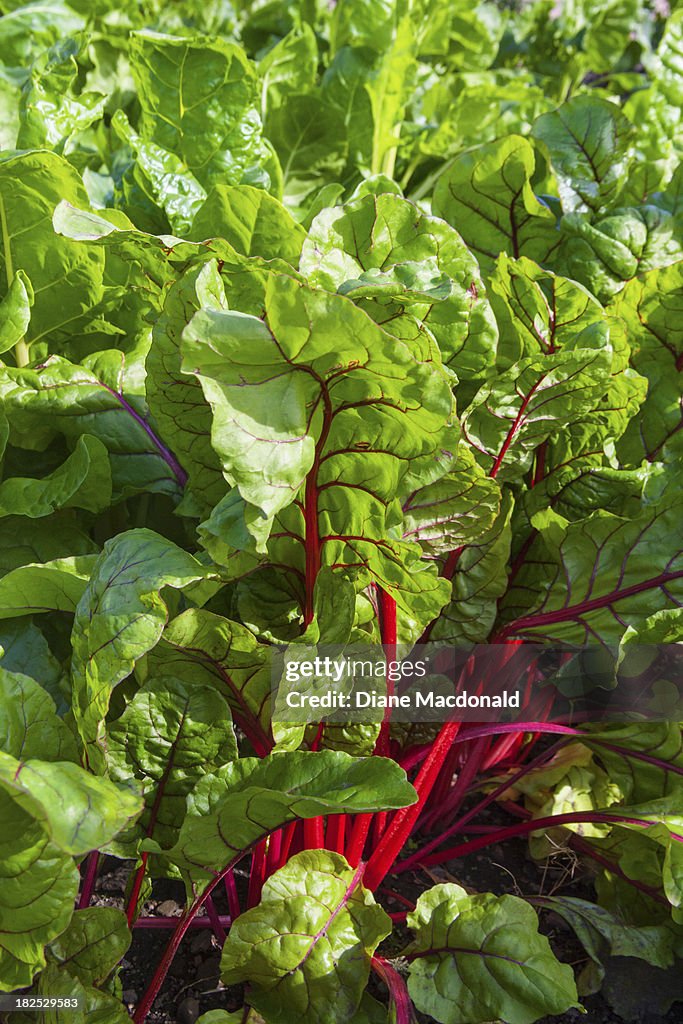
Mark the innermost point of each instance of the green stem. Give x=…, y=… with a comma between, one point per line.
x=21, y=353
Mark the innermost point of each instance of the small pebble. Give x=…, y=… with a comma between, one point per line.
x=169, y=908
x=188, y=1010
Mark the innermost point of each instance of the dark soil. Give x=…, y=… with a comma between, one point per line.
x=641, y=994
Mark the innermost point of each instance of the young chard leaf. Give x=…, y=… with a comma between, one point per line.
x=481, y=957
x=29, y=724
x=306, y=948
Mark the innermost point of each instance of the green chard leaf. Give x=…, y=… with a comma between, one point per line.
x=82, y=481
x=39, y=884
x=587, y=139
x=169, y=736
x=101, y=400
x=589, y=576
x=95, y=941
x=15, y=311
x=531, y=401
x=244, y=801
x=29, y=724
x=456, y=510
x=306, y=948
x=66, y=278
x=27, y=30
x=120, y=617
x=56, y=585
x=203, y=648
x=199, y=102
x=78, y=811
x=251, y=220
x=480, y=957
x=287, y=425
x=649, y=308
x=479, y=578
x=393, y=260
x=52, y=112
x=486, y=194
x=539, y=312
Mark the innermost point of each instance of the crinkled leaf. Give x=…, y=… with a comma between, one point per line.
x=169, y=736
x=232, y=809
x=25, y=651
x=642, y=758
x=293, y=407
x=391, y=259
x=541, y=313
x=97, y=1006
x=199, y=102
x=29, y=724
x=480, y=957
x=389, y=87
x=38, y=886
x=120, y=616
x=530, y=402
x=66, y=278
x=176, y=400
x=306, y=948
x=479, y=580
x=201, y=647
x=26, y=541
x=588, y=142
x=599, y=575
x=602, y=254
x=486, y=195
x=651, y=308
x=454, y=511
x=161, y=176
x=668, y=64
x=52, y=110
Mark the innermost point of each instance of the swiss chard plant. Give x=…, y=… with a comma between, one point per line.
x=331, y=324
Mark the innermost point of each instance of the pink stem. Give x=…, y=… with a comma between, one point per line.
x=524, y=827
x=214, y=918
x=89, y=879
x=231, y=893
x=171, y=922
x=398, y=990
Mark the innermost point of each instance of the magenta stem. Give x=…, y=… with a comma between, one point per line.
x=89, y=879
x=166, y=453
x=171, y=922
x=214, y=917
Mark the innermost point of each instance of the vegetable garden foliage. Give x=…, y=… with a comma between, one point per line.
x=335, y=321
